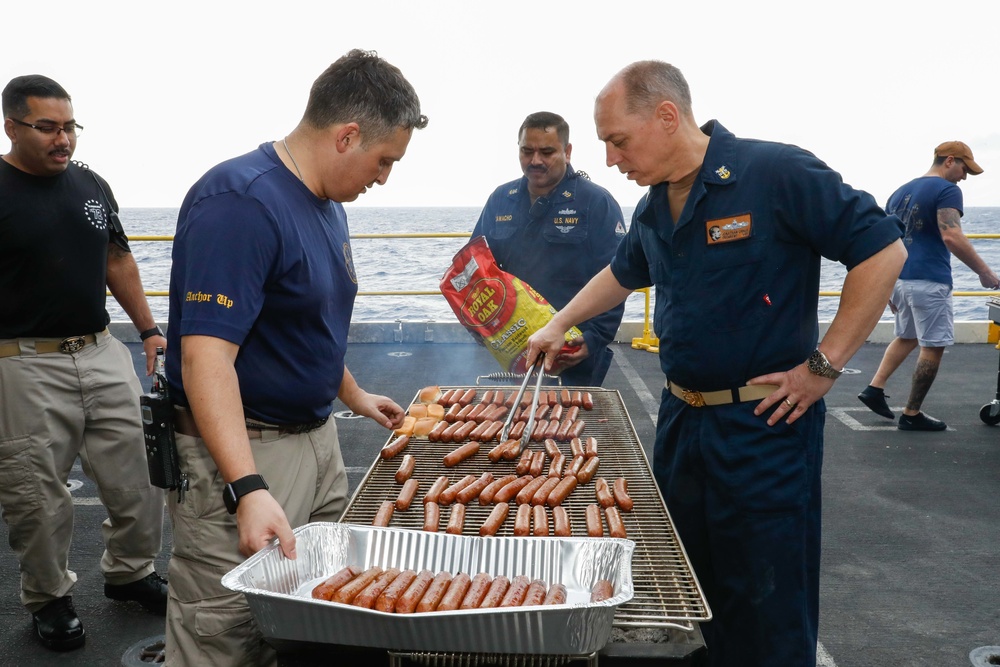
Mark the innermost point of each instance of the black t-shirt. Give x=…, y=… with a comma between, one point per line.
x=54, y=234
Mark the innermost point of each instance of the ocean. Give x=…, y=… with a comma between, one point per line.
x=418, y=264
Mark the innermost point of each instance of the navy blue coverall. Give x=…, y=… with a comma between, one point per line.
x=557, y=245
x=737, y=282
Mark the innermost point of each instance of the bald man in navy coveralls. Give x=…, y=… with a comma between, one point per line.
x=739, y=442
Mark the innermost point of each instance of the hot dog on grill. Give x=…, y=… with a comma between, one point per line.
x=407, y=494
x=560, y=492
x=522, y=521
x=447, y=496
x=551, y=448
x=434, y=493
x=540, y=521
x=466, y=495
x=551, y=429
x=439, y=428
x=487, y=494
x=616, y=527
x=497, y=452
x=560, y=522
x=524, y=463
x=574, y=467
x=537, y=464
x=395, y=447
x=527, y=493
x=494, y=520
x=454, y=457
x=590, y=449
x=588, y=401
x=542, y=493
x=464, y=431
x=432, y=517
x=556, y=466
x=405, y=469
x=589, y=469
x=456, y=521
x=595, y=528
x=576, y=447
x=620, y=492
x=384, y=514
x=452, y=415
x=512, y=450
x=508, y=492
x=603, y=493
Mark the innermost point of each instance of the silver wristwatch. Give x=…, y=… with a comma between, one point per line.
x=819, y=365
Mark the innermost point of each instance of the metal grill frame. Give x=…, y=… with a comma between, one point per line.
x=667, y=592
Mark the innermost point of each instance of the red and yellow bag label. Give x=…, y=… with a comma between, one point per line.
x=497, y=308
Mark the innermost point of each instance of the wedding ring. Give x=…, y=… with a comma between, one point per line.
x=789, y=404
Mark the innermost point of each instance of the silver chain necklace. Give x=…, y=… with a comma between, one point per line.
x=290, y=157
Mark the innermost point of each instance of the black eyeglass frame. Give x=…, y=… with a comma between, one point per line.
x=52, y=129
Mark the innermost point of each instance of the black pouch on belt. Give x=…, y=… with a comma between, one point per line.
x=158, y=431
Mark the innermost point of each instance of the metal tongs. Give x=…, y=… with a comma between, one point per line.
x=529, y=427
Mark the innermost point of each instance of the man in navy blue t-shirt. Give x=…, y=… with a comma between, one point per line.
x=931, y=208
x=262, y=287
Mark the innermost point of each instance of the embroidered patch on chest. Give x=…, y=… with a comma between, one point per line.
x=724, y=230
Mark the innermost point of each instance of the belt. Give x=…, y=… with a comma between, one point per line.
x=699, y=399
x=48, y=345
x=184, y=424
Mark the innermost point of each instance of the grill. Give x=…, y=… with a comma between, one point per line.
x=667, y=594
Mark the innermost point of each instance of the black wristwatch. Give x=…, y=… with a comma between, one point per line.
x=149, y=333
x=232, y=492
x=819, y=365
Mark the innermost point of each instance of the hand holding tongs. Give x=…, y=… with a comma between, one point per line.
x=529, y=427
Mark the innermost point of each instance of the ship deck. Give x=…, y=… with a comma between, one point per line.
x=910, y=549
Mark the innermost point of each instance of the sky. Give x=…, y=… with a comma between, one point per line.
x=167, y=90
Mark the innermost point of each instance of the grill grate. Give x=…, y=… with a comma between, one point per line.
x=667, y=594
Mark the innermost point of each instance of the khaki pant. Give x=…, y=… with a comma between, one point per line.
x=208, y=624
x=53, y=408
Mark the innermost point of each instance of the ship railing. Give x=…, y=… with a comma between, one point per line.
x=647, y=341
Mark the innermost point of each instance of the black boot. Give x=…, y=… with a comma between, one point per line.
x=57, y=625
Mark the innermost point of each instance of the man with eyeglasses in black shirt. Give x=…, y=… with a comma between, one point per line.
x=67, y=387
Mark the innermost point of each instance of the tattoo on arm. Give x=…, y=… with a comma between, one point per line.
x=949, y=218
x=116, y=251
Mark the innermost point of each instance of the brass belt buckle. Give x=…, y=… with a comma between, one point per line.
x=693, y=398
x=72, y=344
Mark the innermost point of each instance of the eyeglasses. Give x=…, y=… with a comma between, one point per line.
x=70, y=128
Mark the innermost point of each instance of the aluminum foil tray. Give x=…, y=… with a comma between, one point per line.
x=279, y=590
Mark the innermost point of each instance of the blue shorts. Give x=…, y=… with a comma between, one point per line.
x=924, y=311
